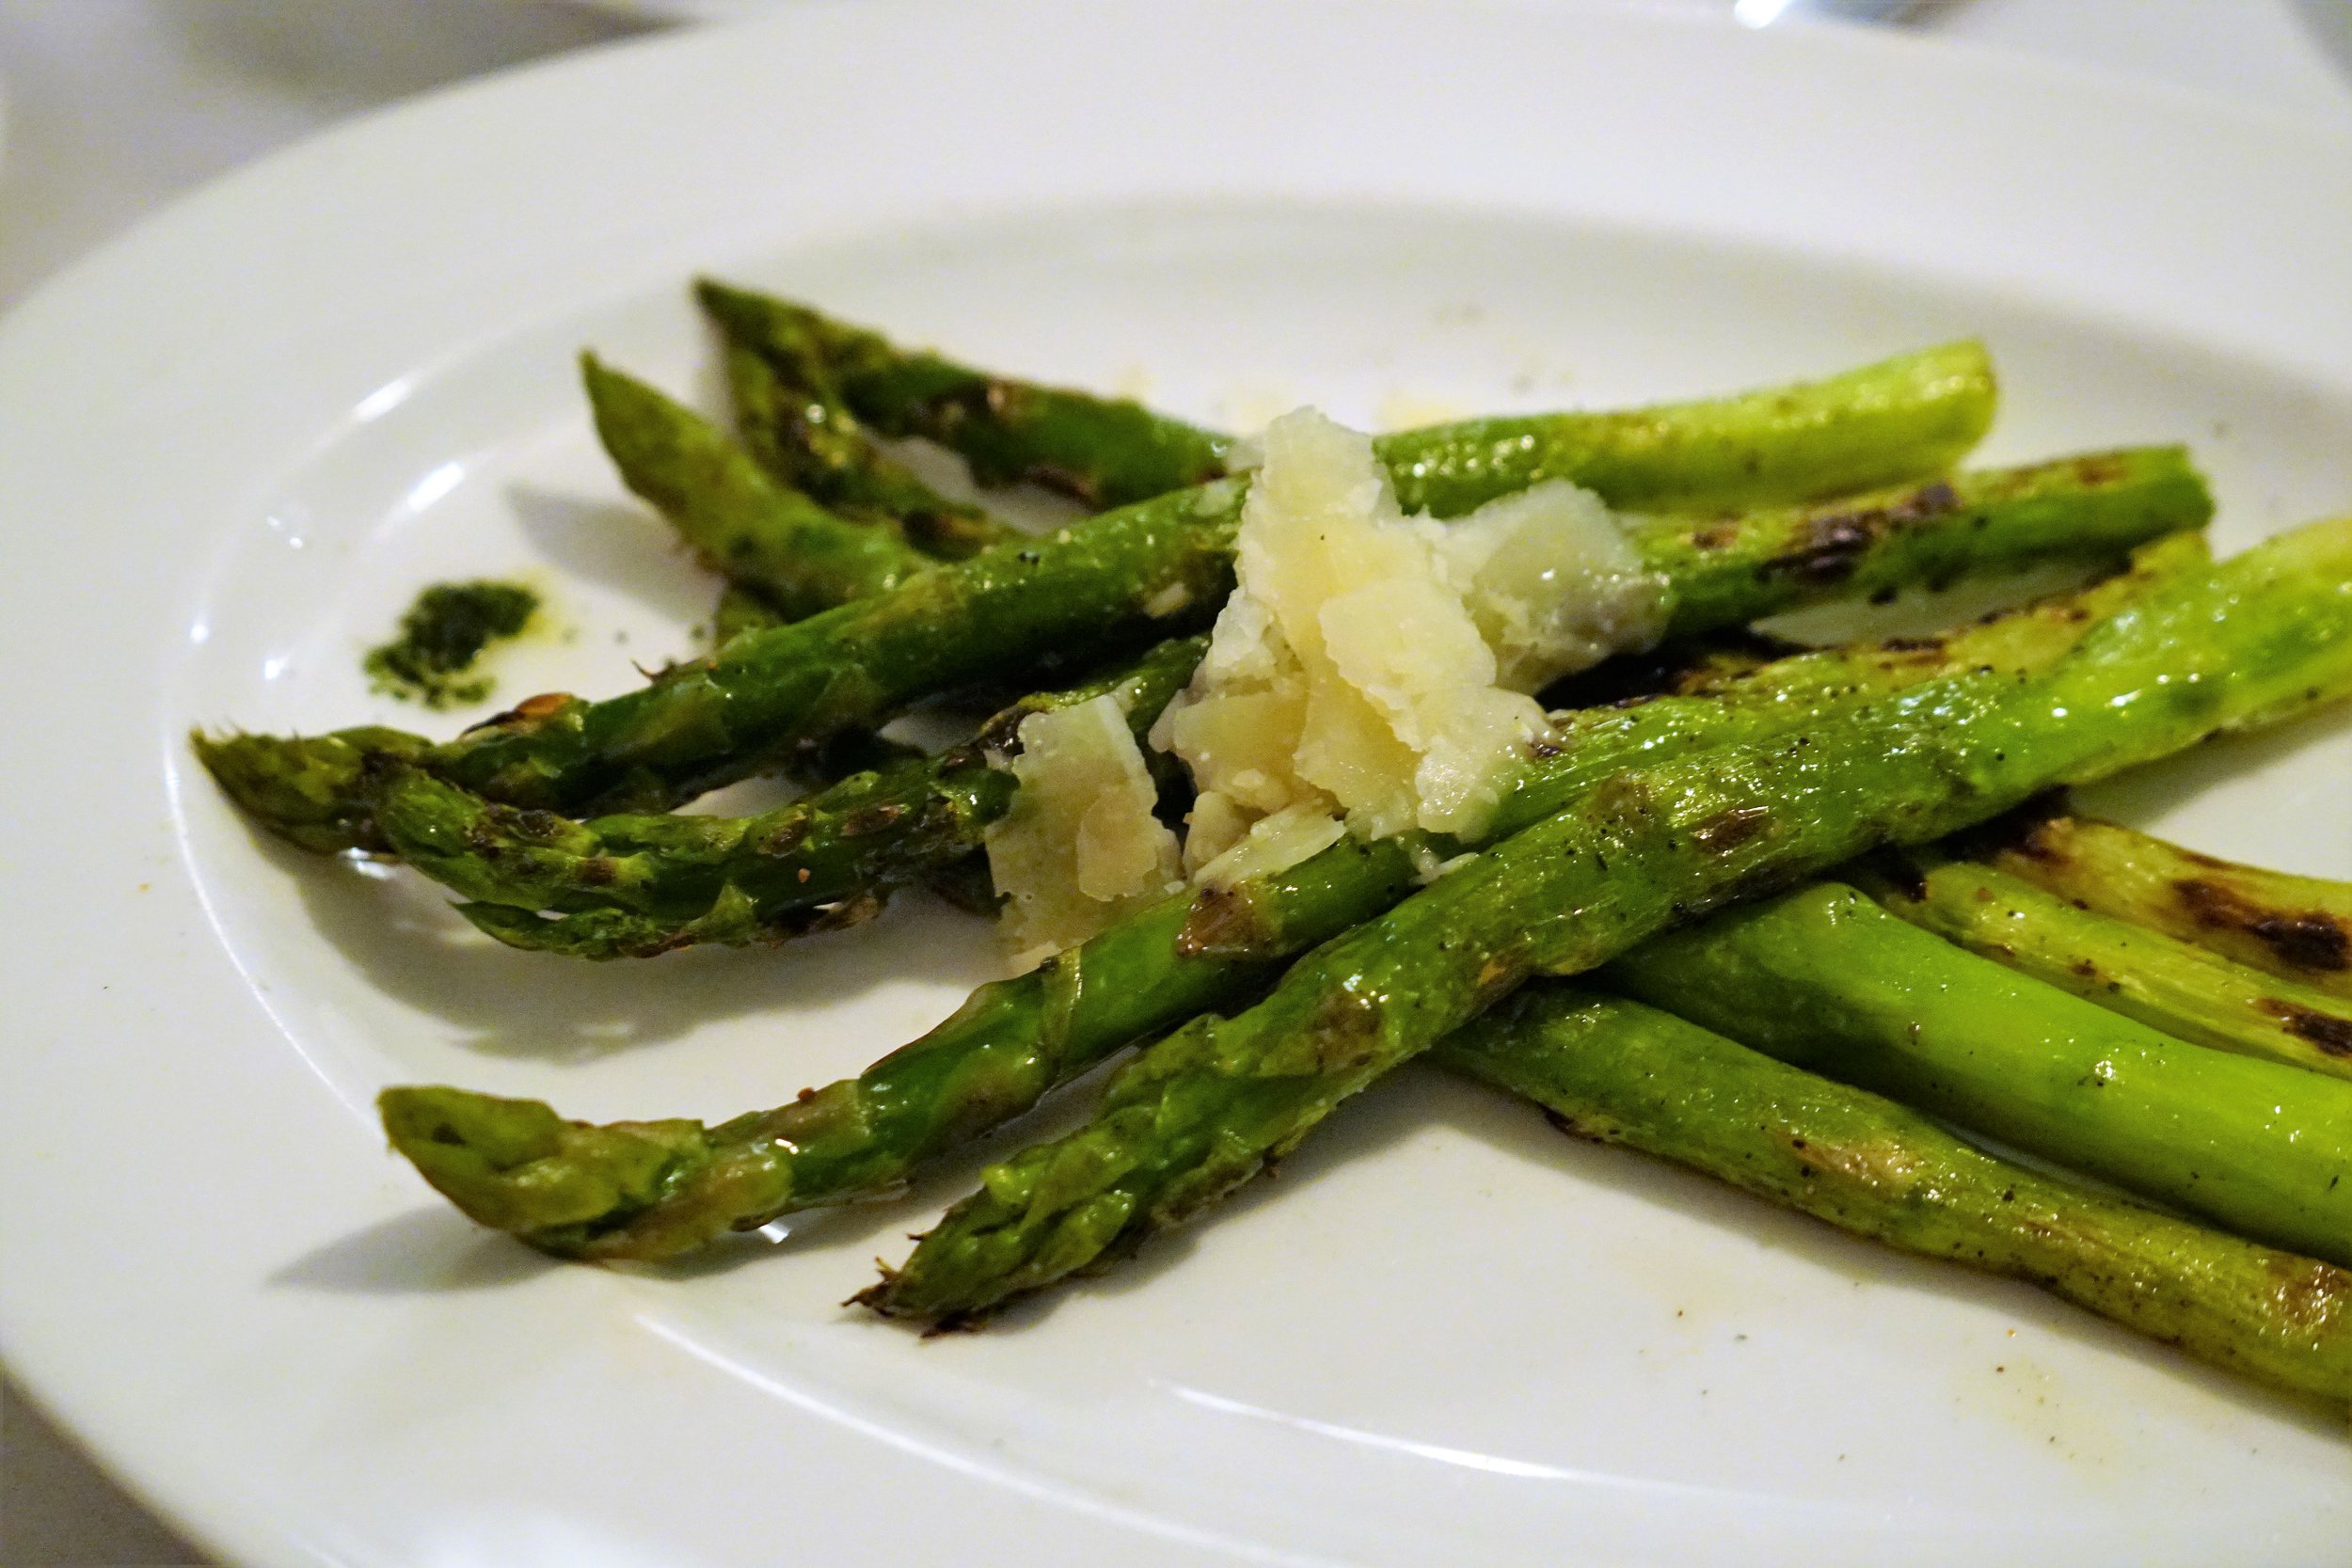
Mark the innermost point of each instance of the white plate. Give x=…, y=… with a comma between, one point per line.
x=233, y=444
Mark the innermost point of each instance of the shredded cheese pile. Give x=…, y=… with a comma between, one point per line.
x=1371, y=674
x=1378, y=667
x=1080, y=845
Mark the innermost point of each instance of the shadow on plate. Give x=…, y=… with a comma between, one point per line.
x=371, y=51
x=617, y=544
x=398, y=932
x=1419, y=1098
x=424, y=1250
x=1521, y=1131
x=2144, y=793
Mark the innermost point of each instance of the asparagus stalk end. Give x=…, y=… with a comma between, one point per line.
x=516, y=1166
x=311, y=790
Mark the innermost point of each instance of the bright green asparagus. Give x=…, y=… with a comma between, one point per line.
x=1618, y=1072
x=757, y=878
x=747, y=526
x=2297, y=928
x=650, y=1189
x=1827, y=980
x=1158, y=566
x=814, y=445
x=2165, y=983
x=1201, y=1112
x=636, y=886
x=803, y=433
x=739, y=610
x=1104, y=451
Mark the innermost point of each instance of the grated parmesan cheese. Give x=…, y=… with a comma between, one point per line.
x=1080, y=845
x=1272, y=845
x=1552, y=581
x=1377, y=669
x=1371, y=674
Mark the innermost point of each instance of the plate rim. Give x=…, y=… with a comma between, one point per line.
x=54, y=1390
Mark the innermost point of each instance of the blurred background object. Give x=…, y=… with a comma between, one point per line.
x=2330, y=21
x=1766, y=13
x=113, y=107
x=116, y=106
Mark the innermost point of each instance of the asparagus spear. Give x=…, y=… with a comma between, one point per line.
x=638, y=885
x=767, y=876
x=800, y=556
x=1210, y=1106
x=1925, y=410
x=1104, y=451
x=1825, y=979
x=2091, y=509
x=2165, y=983
x=740, y=610
x=810, y=439
x=515, y=1164
x=1619, y=1072
x=1074, y=598
x=802, y=432
x=2297, y=928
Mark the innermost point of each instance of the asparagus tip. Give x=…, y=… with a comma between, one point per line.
x=423, y=1120
x=727, y=305
x=516, y=1166
x=312, y=790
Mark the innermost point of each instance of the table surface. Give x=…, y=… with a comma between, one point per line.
x=113, y=107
